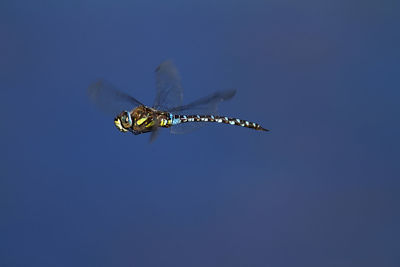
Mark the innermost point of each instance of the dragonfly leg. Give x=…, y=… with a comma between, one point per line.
x=134, y=132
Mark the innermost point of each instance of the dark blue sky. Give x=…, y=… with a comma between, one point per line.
x=321, y=189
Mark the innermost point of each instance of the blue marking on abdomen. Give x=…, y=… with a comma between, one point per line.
x=174, y=121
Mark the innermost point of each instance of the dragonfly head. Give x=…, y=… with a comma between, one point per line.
x=123, y=121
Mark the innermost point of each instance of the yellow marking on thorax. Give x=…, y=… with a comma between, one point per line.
x=140, y=121
x=149, y=124
x=164, y=122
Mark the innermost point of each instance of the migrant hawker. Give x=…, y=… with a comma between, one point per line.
x=167, y=110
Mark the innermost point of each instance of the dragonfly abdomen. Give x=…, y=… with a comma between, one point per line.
x=177, y=119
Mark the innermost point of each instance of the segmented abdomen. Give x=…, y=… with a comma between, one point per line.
x=177, y=119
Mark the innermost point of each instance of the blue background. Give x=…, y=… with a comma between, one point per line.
x=321, y=189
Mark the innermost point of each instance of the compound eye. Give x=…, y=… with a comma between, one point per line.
x=126, y=119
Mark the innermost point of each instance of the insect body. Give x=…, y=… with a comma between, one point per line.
x=167, y=111
x=144, y=119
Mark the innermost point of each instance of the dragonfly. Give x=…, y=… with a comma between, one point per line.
x=167, y=111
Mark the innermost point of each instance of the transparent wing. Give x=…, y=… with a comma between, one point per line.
x=204, y=106
x=154, y=134
x=206, y=103
x=109, y=99
x=168, y=85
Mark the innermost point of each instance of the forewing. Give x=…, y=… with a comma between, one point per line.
x=204, y=106
x=109, y=99
x=168, y=85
